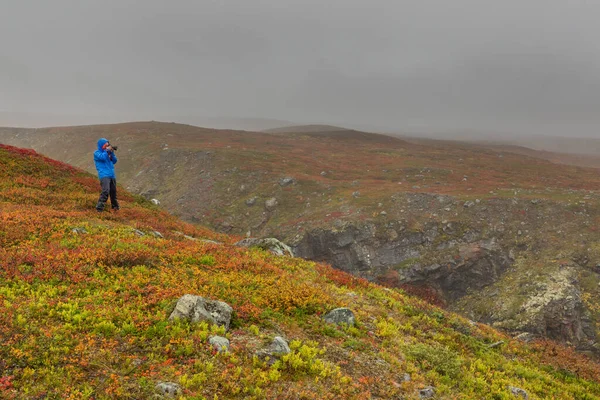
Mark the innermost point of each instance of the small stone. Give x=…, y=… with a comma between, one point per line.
x=518, y=392
x=219, y=343
x=251, y=201
x=271, y=203
x=155, y=202
x=137, y=232
x=355, y=194
x=157, y=234
x=168, y=389
x=276, y=349
x=279, y=346
x=340, y=316
x=79, y=231
x=286, y=181
x=427, y=392
x=323, y=173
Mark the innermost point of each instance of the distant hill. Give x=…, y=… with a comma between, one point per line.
x=42, y=120
x=246, y=124
x=306, y=129
x=87, y=301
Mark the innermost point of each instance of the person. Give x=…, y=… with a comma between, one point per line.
x=105, y=160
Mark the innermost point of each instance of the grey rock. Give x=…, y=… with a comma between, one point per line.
x=197, y=308
x=355, y=194
x=157, y=234
x=168, y=389
x=251, y=201
x=79, y=231
x=219, y=343
x=427, y=392
x=270, y=244
x=525, y=337
x=137, y=232
x=468, y=204
x=518, y=392
x=340, y=316
x=286, y=181
x=155, y=201
x=209, y=241
x=276, y=349
x=271, y=203
x=323, y=173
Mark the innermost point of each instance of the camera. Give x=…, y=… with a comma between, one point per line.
x=113, y=147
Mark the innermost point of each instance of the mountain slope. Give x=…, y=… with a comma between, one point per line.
x=85, y=300
x=503, y=238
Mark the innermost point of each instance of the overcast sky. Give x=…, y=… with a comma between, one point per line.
x=530, y=66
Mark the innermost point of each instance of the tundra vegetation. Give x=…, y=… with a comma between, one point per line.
x=85, y=300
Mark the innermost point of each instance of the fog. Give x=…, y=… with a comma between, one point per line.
x=513, y=66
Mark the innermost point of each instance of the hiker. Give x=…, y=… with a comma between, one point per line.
x=105, y=160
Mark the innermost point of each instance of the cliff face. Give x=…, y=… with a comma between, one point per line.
x=480, y=272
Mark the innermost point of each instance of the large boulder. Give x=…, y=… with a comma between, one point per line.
x=270, y=244
x=197, y=308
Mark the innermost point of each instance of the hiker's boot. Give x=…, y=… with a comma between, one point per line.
x=100, y=206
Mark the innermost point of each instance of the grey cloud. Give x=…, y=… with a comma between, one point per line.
x=520, y=65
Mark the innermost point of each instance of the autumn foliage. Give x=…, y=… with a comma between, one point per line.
x=85, y=300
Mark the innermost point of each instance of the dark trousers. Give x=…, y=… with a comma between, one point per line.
x=109, y=188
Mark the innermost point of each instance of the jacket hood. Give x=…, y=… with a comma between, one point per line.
x=101, y=143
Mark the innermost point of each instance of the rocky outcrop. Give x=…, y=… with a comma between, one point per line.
x=554, y=309
x=455, y=261
x=364, y=250
x=478, y=265
x=394, y=255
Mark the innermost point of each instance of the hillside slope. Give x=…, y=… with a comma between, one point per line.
x=503, y=238
x=85, y=300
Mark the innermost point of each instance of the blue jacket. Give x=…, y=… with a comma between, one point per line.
x=105, y=161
